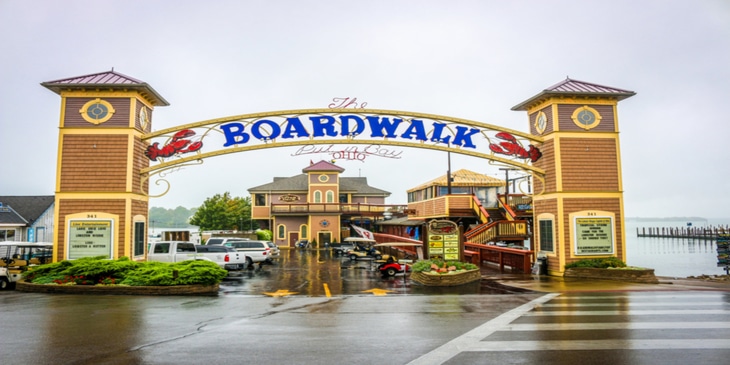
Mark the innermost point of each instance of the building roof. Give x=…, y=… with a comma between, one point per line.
x=108, y=80
x=359, y=186
x=570, y=87
x=299, y=183
x=323, y=166
x=462, y=177
x=24, y=209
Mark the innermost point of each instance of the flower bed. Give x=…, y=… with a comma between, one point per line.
x=206, y=290
x=635, y=275
x=451, y=279
x=97, y=275
x=440, y=273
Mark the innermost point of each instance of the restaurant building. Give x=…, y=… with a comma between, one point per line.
x=317, y=205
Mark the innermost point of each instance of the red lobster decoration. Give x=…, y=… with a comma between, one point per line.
x=179, y=144
x=512, y=148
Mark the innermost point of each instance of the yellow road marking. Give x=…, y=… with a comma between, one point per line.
x=327, y=290
x=378, y=292
x=280, y=293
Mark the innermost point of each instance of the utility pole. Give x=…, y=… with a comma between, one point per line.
x=506, y=182
x=448, y=171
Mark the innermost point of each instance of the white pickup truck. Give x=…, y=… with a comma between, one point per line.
x=176, y=251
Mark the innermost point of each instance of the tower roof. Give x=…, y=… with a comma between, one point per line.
x=108, y=80
x=570, y=87
x=323, y=166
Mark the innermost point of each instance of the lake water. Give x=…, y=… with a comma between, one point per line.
x=673, y=257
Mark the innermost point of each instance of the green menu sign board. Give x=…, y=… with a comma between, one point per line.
x=89, y=238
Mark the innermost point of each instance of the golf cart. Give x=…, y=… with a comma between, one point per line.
x=391, y=267
x=363, y=249
x=16, y=257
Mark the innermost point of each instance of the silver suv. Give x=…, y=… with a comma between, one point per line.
x=223, y=240
x=256, y=251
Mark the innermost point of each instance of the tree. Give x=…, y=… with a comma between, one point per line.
x=223, y=212
x=170, y=218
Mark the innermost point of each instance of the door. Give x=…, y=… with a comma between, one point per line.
x=293, y=238
x=324, y=238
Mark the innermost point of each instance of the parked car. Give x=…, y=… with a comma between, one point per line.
x=223, y=240
x=256, y=251
x=176, y=251
x=227, y=257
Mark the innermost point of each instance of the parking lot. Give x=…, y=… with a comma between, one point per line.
x=322, y=273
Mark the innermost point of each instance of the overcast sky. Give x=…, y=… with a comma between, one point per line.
x=464, y=59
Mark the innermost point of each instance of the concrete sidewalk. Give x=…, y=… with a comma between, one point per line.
x=552, y=284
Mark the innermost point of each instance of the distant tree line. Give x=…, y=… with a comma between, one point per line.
x=220, y=212
x=171, y=218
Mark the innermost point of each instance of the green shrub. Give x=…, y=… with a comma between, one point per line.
x=602, y=263
x=264, y=235
x=98, y=270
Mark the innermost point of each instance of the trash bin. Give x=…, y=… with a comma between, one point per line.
x=542, y=265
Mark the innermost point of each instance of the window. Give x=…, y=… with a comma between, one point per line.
x=330, y=196
x=259, y=200
x=317, y=196
x=162, y=248
x=303, y=231
x=464, y=190
x=546, y=235
x=7, y=235
x=343, y=198
x=280, y=231
x=185, y=247
x=139, y=234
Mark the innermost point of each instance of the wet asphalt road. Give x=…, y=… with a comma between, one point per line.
x=408, y=325
x=322, y=273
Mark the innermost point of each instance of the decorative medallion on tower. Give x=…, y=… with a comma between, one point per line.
x=144, y=118
x=97, y=111
x=324, y=223
x=586, y=117
x=540, y=122
x=323, y=178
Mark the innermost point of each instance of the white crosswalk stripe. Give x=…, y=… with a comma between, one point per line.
x=677, y=323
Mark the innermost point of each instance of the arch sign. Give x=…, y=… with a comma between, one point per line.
x=191, y=143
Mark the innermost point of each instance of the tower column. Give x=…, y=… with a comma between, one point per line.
x=101, y=206
x=578, y=208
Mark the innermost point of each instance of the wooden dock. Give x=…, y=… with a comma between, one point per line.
x=700, y=233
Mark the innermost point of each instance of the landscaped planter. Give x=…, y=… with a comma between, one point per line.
x=458, y=278
x=208, y=290
x=620, y=274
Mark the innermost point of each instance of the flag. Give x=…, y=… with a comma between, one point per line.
x=363, y=232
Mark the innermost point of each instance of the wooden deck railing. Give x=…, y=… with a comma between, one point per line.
x=492, y=232
x=516, y=259
x=344, y=208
